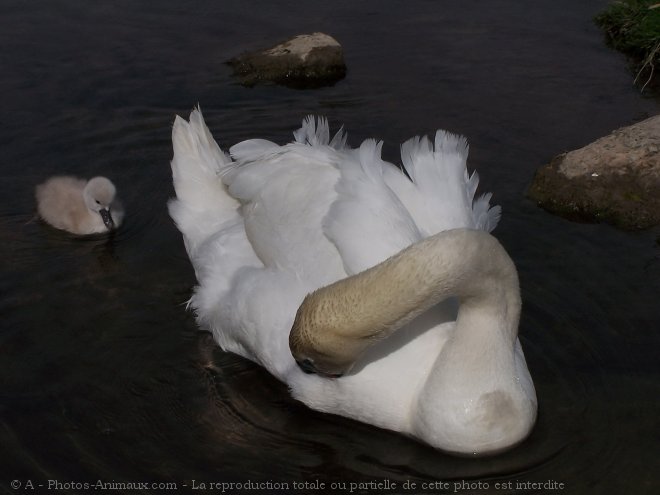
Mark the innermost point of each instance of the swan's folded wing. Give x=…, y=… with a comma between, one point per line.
x=367, y=222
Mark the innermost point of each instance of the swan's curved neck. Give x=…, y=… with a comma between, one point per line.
x=335, y=324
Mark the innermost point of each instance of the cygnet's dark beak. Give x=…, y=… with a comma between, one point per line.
x=107, y=218
x=308, y=367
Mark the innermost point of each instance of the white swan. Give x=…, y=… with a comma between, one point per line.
x=337, y=257
x=79, y=206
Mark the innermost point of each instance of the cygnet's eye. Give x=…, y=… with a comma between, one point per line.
x=97, y=202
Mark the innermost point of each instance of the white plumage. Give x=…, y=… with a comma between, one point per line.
x=279, y=222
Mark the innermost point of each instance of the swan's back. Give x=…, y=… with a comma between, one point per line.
x=311, y=212
x=285, y=194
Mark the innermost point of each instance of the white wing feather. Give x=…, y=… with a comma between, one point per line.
x=202, y=206
x=441, y=195
x=367, y=209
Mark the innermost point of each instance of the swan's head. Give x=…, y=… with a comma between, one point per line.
x=99, y=193
x=313, y=356
x=322, y=340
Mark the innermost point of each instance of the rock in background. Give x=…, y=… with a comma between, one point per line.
x=304, y=61
x=614, y=179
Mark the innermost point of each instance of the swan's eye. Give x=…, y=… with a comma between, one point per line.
x=97, y=202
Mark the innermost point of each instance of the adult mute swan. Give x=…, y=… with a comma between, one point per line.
x=398, y=306
x=79, y=206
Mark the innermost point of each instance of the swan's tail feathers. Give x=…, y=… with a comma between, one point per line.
x=315, y=131
x=202, y=203
x=446, y=191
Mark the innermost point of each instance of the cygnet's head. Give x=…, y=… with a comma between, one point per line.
x=99, y=193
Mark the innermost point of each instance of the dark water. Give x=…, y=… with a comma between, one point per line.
x=103, y=374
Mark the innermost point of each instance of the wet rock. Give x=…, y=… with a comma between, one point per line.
x=304, y=61
x=614, y=179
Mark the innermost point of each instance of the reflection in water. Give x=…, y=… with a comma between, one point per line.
x=104, y=375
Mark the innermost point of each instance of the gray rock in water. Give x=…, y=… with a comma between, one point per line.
x=615, y=179
x=304, y=61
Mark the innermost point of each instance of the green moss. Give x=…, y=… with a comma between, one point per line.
x=633, y=27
